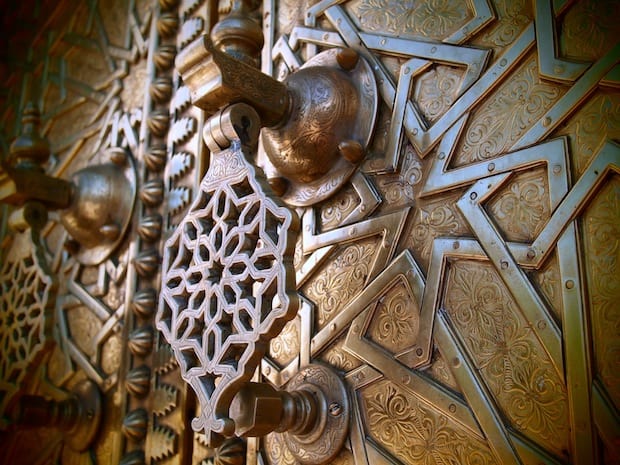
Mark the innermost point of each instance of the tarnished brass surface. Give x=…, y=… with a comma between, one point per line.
x=463, y=281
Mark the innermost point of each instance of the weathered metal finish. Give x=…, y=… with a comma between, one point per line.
x=492, y=177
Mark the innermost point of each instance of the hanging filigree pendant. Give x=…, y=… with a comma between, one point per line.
x=228, y=282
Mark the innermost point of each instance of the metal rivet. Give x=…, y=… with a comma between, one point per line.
x=335, y=409
x=382, y=41
x=414, y=131
x=267, y=370
x=557, y=169
x=407, y=70
x=406, y=379
x=419, y=351
x=455, y=245
x=433, y=50
x=541, y=325
x=546, y=121
x=503, y=62
x=491, y=166
x=531, y=253
x=333, y=327
x=452, y=408
x=355, y=328
x=473, y=195
x=442, y=155
x=570, y=284
x=456, y=362
x=504, y=264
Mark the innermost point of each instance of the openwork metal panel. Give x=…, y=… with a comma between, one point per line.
x=464, y=282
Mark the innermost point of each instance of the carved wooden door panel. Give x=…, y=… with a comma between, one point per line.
x=463, y=282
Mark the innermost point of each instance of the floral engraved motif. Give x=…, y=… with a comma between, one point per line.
x=513, y=17
x=228, y=285
x=440, y=371
x=400, y=189
x=548, y=279
x=602, y=220
x=436, y=90
x=395, y=323
x=594, y=123
x=522, y=209
x=336, y=209
x=521, y=101
x=415, y=433
x=277, y=452
x=510, y=358
x=337, y=357
x=285, y=346
x=434, y=19
x=594, y=19
x=434, y=220
x=341, y=279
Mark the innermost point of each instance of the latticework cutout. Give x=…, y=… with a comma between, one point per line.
x=228, y=285
x=26, y=303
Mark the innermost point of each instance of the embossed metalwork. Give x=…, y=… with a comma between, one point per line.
x=491, y=176
x=227, y=279
x=317, y=148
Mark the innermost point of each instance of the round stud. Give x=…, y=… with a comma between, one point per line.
x=347, y=58
x=351, y=150
x=279, y=185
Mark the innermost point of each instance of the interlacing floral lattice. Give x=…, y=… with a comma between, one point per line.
x=25, y=298
x=228, y=285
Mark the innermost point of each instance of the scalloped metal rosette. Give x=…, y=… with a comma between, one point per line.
x=228, y=284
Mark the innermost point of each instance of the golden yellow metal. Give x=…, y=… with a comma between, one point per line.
x=463, y=280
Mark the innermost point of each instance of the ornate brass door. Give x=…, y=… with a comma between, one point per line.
x=463, y=282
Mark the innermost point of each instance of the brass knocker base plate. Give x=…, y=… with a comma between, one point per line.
x=323, y=443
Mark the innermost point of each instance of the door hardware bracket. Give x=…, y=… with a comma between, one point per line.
x=95, y=206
